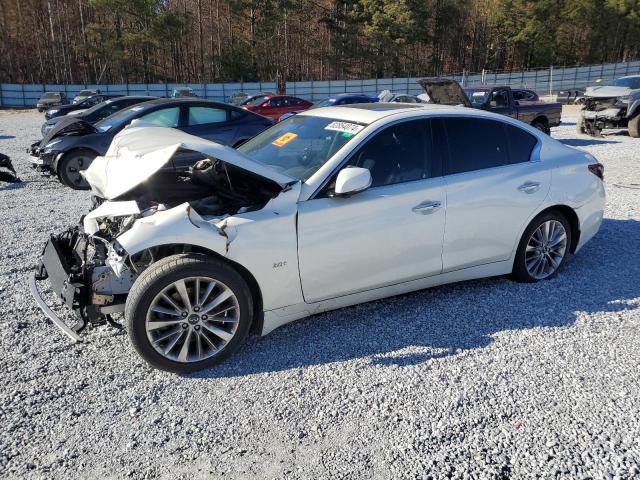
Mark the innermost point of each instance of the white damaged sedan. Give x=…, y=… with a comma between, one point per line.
x=329, y=208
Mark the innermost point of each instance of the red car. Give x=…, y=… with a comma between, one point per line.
x=277, y=105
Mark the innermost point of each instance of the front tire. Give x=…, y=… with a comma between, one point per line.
x=188, y=312
x=543, y=248
x=71, y=165
x=634, y=126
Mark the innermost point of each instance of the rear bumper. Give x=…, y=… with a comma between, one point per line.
x=590, y=216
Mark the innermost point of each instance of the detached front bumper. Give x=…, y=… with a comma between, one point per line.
x=65, y=283
x=68, y=263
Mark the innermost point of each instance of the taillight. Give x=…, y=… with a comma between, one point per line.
x=597, y=169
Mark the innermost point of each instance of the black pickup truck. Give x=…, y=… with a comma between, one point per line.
x=494, y=98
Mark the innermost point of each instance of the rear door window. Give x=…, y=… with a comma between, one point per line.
x=475, y=144
x=167, y=117
x=206, y=115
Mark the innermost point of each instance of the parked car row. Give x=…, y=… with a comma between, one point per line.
x=71, y=143
x=198, y=243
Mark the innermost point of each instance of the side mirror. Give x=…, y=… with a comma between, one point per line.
x=352, y=180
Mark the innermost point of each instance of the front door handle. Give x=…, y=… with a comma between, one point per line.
x=529, y=187
x=427, y=207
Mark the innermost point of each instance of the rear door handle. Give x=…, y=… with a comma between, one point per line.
x=427, y=207
x=529, y=187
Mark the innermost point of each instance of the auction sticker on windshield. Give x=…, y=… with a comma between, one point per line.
x=284, y=139
x=345, y=127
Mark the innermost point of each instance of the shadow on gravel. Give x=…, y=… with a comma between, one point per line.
x=443, y=321
x=585, y=142
x=7, y=137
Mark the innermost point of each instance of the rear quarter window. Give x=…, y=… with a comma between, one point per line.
x=521, y=144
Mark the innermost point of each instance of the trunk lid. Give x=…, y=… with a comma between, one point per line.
x=443, y=91
x=136, y=153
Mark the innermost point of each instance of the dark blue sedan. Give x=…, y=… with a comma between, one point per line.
x=345, y=99
x=72, y=144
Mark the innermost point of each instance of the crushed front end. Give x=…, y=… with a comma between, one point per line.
x=599, y=113
x=87, y=273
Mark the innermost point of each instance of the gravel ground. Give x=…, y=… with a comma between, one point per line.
x=486, y=379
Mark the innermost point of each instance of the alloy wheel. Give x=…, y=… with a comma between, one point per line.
x=74, y=166
x=545, y=250
x=192, y=319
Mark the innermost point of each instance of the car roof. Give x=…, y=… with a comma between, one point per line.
x=367, y=113
x=628, y=76
x=341, y=95
x=160, y=101
x=134, y=97
x=284, y=96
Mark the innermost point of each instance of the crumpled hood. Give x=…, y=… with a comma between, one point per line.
x=68, y=125
x=607, y=92
x=443, y=91
x=136, y=153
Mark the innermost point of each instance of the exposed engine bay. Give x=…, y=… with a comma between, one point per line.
x=92, y=274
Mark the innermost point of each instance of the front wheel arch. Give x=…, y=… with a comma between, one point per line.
x=56, y=162
x=256, y=293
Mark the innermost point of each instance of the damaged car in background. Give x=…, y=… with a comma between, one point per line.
x=612, y=106
x=332, y=207
x=7, y=172
x=70, y=145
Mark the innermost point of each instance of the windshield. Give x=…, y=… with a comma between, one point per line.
x=632, y=83
x=85, y=93
x=96, y=107
x=254, y=101
x=325, y=103
x=300, y=145
x=50, y=96
x=477, y=97
x=118, y=118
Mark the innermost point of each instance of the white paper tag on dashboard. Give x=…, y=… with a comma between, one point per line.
x=346, y=127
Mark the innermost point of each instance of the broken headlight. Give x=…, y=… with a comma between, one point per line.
x=623, y=101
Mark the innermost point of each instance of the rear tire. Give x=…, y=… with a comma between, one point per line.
x=543, y=248
x=71, y=165
x=542, y=126
x=210, y=335
x=634, y=126
x=580, y=124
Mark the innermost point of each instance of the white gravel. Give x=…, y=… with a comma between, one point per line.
x=486, y=379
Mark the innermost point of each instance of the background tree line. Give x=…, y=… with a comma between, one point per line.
x=118, y=41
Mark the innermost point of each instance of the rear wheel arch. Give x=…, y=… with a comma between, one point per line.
x=543, y=121
x=572, y=217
